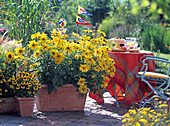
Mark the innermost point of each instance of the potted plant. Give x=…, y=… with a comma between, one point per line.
x=85, y=65
x=22, y=84
x=8, y=103
x=25, y=86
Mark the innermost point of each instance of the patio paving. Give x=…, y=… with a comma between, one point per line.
x=94, y=114
x=106, y=114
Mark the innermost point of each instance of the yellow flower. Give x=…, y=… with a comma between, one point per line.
x=93, y=76
x=98, y=52
x=37, y=53
x=10, y=56
x=138, y=124
x=54, y=32
x=157, y=120
x=19, y=51
x=89, y=60
x=25, y=78
x=103, y=65
x=76, y=56
x=28, y=88
x=17, y=42
x=43, y=37
x=0, y=93
x=69, y=62
x=88, y=31
x=103, y=34
x=143, y=120
x=58, y=56
x=84, y=68
x=36, y=88
x=33, y=36
x=22, y=87
x=81, y=81
x=19, y=57
x=82, y=57
x=29, y=92
x=45, y=46
x=126, y=115
x=0, y=100
x=124, y=120
x=156, y=99
x=11, y=86
x=83, y=89
x=68, y=47
x=33, y=44
x=53, y=52
x=17, y=87
x=58, y=61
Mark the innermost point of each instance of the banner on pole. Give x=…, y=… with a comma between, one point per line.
x=83, y=11
x=80, y=21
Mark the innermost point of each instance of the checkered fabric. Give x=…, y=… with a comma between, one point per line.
x=127, y=65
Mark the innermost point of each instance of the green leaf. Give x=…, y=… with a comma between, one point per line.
x=50, y=88
x=55, y=79
x=55, y=88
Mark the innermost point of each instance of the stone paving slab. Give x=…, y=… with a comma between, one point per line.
x=94, y=114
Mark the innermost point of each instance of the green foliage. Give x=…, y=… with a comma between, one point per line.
x=108, y=24
x=68, y=10
x=155, y=7
x=120, y=22
x=25, y=18
x=153, y=38
x=98, y=8
x=167, y=38
x=2, y=54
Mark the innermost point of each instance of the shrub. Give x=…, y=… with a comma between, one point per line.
x=154, y=37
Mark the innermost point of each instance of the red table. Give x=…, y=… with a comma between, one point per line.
x=126, y=82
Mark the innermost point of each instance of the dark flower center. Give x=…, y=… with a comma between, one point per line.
x=9, y=56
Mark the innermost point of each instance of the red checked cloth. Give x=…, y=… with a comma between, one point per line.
x=127, y=65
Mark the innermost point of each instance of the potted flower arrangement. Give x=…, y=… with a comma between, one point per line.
x=25, y=86
x=8, y=103
x=85, y=65
x=19, y=83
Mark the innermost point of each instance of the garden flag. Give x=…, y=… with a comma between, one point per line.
x=80, y=21
x=62, y=31
x=82, y=11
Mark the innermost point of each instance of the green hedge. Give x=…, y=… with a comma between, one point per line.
x=156, y=37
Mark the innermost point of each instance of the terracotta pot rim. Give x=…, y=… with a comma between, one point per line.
x=64, y=86
x=28, y=98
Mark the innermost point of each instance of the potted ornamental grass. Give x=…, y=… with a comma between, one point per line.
x=68, y=70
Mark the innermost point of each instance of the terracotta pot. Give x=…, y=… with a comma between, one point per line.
x=9, y=106
x=26, y=106
x=66, y=99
